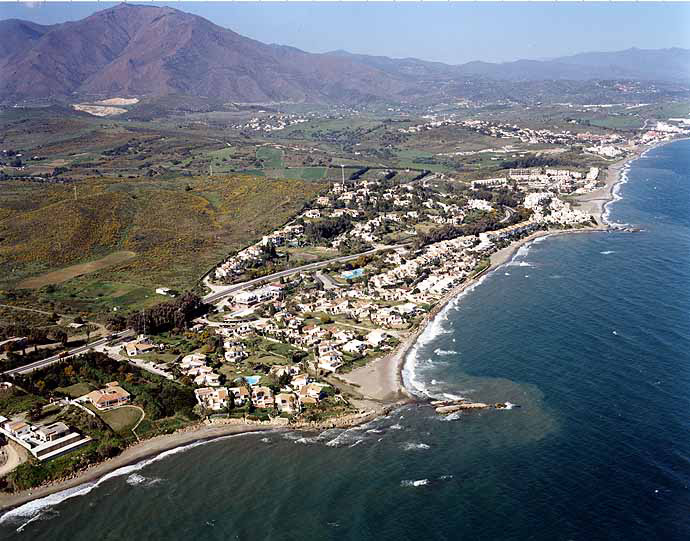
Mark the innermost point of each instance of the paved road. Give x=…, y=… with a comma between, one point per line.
x=216, y=296
x=327, y=281
x=509, y=214
x=27, y=368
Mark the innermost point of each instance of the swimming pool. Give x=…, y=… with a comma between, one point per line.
x=355, y=273
x=252, y=380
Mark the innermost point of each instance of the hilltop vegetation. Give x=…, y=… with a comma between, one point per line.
x=177, y=228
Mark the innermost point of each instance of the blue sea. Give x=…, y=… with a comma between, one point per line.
x=588, y=334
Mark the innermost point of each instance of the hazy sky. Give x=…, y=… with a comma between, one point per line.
x=446, y=32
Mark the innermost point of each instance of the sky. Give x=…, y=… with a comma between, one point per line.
x=451, y=32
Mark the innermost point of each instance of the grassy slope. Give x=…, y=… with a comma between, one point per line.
x=178, y=230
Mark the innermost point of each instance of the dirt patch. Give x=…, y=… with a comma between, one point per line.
x=62, y=275
x=99, y=110
x=118, y=101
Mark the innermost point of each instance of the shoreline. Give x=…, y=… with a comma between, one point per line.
x=383, y=378
x=381, y=382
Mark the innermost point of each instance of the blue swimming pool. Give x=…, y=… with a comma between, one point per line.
x=252, y=380
x=355, y=273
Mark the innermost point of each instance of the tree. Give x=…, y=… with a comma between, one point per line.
x=231, y=402
x=250, y=403
x=35, y=411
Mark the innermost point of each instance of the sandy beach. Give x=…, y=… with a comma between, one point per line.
x=381, y=380
x=133, y=454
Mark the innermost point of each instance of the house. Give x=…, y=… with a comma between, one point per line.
x=262, y=397
x=240, y=394
x=111, y=396
x=330, y=362
x=246, y=298
x=312, y=393
x=355, y=347
x=286, y=403
x=209, y=378
x=377, y=337
x=52, y=431
x=193, y=360
x=17, y=428
x=279, y=370
x=299, y=381
x=314, y=390
x=138, y=348
x=213, y=399
x=235, y=354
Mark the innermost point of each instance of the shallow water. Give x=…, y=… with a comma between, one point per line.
x=588, y=334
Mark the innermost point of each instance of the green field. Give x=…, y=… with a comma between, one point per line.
x=271, y=158
x=300, y=173
x=618, y=122
x=121, y=419
x=76, y=390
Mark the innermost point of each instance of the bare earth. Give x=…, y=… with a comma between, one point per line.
x=62, y=275
x=118, y=101
x=12, y=456
x=99, y=110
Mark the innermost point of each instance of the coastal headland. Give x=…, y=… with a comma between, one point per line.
x=380, y=382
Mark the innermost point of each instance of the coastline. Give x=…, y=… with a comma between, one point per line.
x=381, y=381
x=131, y=455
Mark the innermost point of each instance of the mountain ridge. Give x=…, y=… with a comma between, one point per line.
x=155, y=51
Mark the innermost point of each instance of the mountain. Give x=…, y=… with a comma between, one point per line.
x=147, y=50
x=663, y=65
x=158, y=51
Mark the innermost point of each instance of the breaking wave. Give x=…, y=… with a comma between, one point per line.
x=135, y=480
x=414, y=446
x=411, y=378
x=33, y=509
x=413, y=483
x=616, y=196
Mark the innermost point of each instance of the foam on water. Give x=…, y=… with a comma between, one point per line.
x=411, y=378
x=442, y=352
x=413, y=483
x=139, y=480
x=415, y=446
x=615, y=193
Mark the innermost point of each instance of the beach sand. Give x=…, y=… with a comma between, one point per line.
x=381, y=380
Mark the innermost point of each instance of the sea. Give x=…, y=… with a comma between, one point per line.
x=587, y=336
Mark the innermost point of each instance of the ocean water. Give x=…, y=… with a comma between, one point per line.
x=588, y=334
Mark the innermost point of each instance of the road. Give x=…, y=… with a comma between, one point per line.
x=217, y=295
x=509, y=214
x=326, y=280
x=27, y=368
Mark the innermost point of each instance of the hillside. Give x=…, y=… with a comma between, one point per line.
x=147, y=50
x=132, y=50
x=176, y=229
